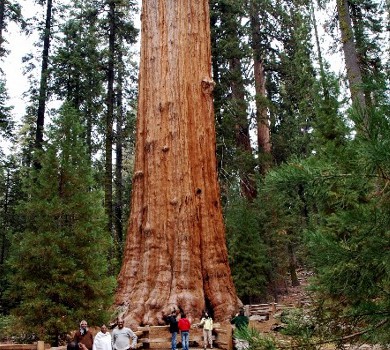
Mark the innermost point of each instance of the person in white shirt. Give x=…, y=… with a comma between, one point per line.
x=102, y=339
x=207, y=323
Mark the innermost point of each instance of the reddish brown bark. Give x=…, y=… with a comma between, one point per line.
x=175, y=255
x=354, y=74
x=262, y=115
x=242, y=137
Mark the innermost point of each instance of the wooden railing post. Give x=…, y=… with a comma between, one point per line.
x=40, y=345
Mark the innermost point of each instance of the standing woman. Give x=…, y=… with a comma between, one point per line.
x=207, y=323
x=102, y=339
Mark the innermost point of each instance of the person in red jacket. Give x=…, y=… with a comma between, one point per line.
x=184, y=326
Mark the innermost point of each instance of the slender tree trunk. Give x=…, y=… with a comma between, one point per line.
x=2, y=25
x=44, y=78
x=319, y=53
x=175, y=255
x=4, y=240
x=361, y=48
x=109, y=119
x=354, y=74
x=119, y=160
x=292, y=265
x=247, y=178
x=262, y=116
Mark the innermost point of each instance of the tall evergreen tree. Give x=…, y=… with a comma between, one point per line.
x=64, y=241
x=10, y=221
x=230, y=55
x=6, y=123
x=42, y=95
x=78, y=69
x=9, y=11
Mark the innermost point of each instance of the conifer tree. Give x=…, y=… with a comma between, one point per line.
x=42, y=95
x=77, y=69
x=230, y=56
x=6, y=123
x=248, y=255
x=9, y=11
x=10, y=221
x=64, y=242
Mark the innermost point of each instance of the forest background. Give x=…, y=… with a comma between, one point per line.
x=303, y=163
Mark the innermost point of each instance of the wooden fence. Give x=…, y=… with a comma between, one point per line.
x=153, y=337
x=40, y=345
x=158, y=337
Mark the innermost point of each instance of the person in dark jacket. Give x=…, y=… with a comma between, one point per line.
x=83, y=338
x=240, y=321
x=173, y=328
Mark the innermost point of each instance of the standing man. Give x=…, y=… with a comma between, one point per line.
x=184, y=326
x=83, y=338
x=173, y=328
x=121, y=337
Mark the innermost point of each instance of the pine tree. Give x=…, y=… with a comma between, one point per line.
x=10, y=221
x=248, y=254
x=64, y=242
x=77, y=69
x=230, y=58
x=42, y=95
x=9, y=11
x=6, y=123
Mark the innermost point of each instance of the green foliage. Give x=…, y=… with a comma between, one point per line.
x=6, y=123
x=64, y=242
x=342, y=207
x=10, y=221
x=247, y=252
x=297, y=324
x=255, y=339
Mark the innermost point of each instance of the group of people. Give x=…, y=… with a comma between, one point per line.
x=183, y=326
x=122, y=338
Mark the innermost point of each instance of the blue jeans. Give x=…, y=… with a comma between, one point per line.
x=173, y=341
x=185, y=340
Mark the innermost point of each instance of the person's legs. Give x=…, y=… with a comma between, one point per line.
x=204, y=338
x=173, y=341
x=185, y=340
x=210, y=338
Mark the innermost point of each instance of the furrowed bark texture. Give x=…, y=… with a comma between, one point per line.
x=354, y=74
x=175, y=255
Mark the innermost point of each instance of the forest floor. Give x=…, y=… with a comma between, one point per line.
x=295, y=297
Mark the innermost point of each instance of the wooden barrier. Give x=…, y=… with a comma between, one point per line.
x=40, y=345
x=154, y=337
x=159, y=337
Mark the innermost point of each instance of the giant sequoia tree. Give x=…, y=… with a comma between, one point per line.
x=175, y=255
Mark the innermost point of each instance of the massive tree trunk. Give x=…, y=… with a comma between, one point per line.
x=175, y=255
